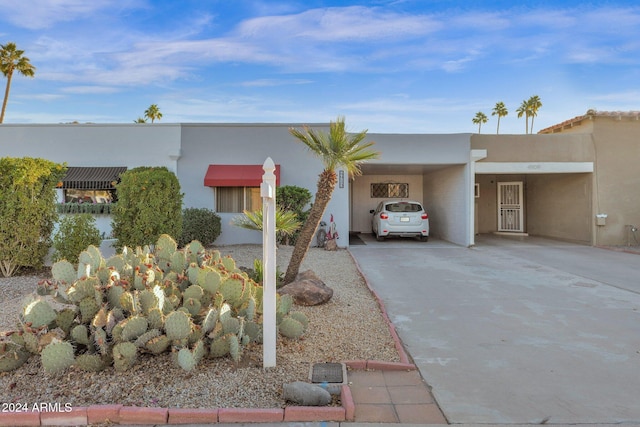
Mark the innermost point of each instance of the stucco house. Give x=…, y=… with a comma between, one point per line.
x=559, y=183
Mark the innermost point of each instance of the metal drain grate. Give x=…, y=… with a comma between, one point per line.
x=334, y=373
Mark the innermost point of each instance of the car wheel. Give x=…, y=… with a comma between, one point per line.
x=379, y=238
x=424, y=238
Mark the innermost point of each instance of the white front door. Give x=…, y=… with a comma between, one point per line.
x=510, y=212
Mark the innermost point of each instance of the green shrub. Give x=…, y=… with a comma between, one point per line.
x=294, y=199
x=149, y=204
x=75, y=233
x=200, y=224
x=27, y=211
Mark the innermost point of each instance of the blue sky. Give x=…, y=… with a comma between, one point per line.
x=396, y=66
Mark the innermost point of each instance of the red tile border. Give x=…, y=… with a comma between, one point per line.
x=192, y=416
x=15, y=419
x=346, y=398
x=140, y=415
x=103, y=414
x=356, y=364
x=314, y=413
x=248, y=415
x=390, y=366
x=75, y=417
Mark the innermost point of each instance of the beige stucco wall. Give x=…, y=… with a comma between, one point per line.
x=559, y=206
x=535, y=148
x=447, y=203
x=617, y=183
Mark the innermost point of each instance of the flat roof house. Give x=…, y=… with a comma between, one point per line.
x=559, y=183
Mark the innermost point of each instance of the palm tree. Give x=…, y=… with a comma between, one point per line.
x=13, y=59
x=336, y=149
x=153, y=113
x=479, y=119
x=501, y=111
x=523, y=109
x=534, y=104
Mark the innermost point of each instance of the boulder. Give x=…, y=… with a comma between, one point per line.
x=306, y=394
x=307, y=289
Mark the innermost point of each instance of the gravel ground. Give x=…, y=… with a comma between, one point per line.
x=348, y=327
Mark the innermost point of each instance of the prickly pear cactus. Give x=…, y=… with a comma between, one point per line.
x=191, y=302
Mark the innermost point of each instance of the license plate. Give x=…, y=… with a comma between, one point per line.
x=404, y=219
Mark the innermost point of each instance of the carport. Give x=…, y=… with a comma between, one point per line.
x=539, y=185
x=436, y=170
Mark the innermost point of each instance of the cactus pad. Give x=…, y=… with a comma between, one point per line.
x=124, y=355
x=133, y=327
x=291, y=328
x=57, y=356
x=177, y=325
x=39, y=313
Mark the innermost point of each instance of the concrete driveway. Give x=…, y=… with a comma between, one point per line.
x=516, y=330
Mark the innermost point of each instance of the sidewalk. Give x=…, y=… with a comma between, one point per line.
x=392, y=396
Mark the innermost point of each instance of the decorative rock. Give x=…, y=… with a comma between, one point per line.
x=331, y=245
x=307, y=289
x=306, y=394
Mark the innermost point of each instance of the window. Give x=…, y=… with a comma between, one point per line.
x=237, y=199
x=389, y=189
x=89, y=196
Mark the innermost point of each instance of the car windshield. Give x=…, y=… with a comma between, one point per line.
x=403, y=207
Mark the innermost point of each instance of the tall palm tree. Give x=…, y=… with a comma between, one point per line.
x=153, y=113
x=479, y=119
x=523, y=110
x=534, y=104
x=13, y=59
x=501, y=111
x=336, y=149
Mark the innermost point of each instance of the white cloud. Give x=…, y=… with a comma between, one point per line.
x=40, y=14
x=275, y=82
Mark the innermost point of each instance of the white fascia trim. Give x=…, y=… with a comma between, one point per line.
x=533, y=167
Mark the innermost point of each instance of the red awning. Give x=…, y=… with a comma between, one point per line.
x=236, y=175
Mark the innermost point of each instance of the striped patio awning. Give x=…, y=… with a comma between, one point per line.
x=92, y=177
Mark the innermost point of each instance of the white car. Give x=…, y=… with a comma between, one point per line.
x=403, y=218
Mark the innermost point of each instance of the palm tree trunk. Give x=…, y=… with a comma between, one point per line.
x=6, y=96
x=498, y=129
x=326, y=185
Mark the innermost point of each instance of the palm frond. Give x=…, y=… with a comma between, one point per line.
x=287, y=222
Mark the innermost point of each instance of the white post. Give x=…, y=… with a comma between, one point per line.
x=268, y=193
